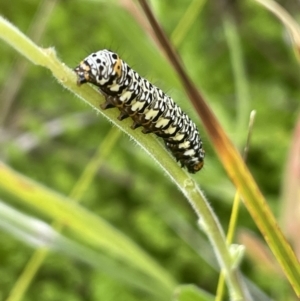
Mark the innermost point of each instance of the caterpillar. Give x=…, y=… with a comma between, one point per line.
x=146, y=104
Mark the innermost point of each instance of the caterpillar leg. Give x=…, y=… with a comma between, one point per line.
x=112, y=102
x=135, y=125
x=123, y=115
x=146, y=131
x=109, y=102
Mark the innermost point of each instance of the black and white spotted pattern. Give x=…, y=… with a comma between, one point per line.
x=147, y=105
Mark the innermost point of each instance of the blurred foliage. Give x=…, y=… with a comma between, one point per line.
x=130, y=191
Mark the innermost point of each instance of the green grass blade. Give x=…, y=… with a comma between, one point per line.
x=85, y=225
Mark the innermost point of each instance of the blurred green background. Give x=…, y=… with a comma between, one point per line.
x=49, y=135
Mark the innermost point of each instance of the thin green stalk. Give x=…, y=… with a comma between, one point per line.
x=235, y=211
x=210, y=226
x=232, y=224
x=104, y=150
x=28, y=273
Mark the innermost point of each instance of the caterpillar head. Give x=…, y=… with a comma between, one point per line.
x=99, y=68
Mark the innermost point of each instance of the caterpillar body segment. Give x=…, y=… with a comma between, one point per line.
x=146, y=104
